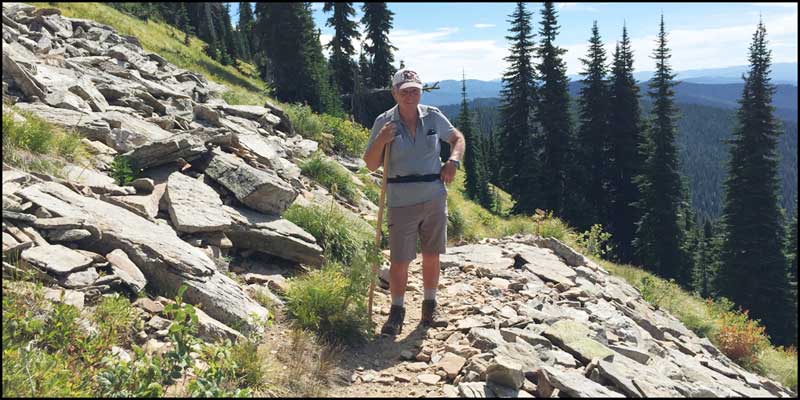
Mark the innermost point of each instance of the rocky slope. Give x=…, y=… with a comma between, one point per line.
x=529, y=316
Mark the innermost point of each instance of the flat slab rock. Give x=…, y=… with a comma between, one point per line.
x=56, y=259
x=194, y=206
x=165, y=260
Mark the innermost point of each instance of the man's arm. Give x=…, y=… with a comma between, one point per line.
x=373, y=157
x=456, y=141
x=457, y=144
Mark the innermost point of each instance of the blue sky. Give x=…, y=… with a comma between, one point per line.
x=439, y=39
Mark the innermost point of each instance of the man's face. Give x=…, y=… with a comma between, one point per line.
x=407, y=96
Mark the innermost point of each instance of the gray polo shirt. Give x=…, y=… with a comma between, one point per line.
x=417, y=156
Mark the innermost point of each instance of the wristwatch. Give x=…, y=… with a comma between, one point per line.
x=456, y=162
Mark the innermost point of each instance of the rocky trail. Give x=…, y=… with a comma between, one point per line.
x=529, y=317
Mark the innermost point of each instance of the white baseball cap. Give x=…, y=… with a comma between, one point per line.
x=406, y=78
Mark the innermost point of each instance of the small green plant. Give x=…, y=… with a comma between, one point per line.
x=308, y=124
x=121, y=170
x=181, y=333
x=36, y=145
x=349, y=137
x=341, y=238
x=330, y=175
x=595, y=241
x=546, y=225
x=330, y=302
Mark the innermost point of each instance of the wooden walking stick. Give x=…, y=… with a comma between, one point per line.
x=378, y=228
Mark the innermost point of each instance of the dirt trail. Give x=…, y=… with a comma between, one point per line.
x=378, y=368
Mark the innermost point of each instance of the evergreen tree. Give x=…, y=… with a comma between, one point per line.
x=465, y=125
x=364, y=69
x=245, y=28
x=592, y=140
x=231, y=49
x=703, y=272
x=753, y=270
x=658, y=234
x=180, y=18
x=341, y=44
x=297, y=68
x=377, y=21
x=791, y=252
x=516, y=129
x=625, y=143
x=553, y=115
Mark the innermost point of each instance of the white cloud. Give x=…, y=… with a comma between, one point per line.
x=436, y=56
x=576, y=7
x=484, y=26
x=783, y=5
x=702, y=48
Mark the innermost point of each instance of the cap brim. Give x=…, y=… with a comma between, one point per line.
x=410, y=84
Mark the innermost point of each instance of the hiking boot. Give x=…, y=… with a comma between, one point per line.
x=394, y=324
x=431, y=316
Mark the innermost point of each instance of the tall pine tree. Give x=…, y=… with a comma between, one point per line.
x=377, y=22
x=517, y=129
x=592, y=140
x=553, y=115
x=474, y=166
x=625, y=143
x=703, y=272
x=297, y=70
x=753, y=271
x=245, y=27
x=791, y=253
x=465, y=125
x=341, y=45
x=659, y=236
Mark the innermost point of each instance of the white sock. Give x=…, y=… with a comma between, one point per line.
x=398, y=300
x=430, y=294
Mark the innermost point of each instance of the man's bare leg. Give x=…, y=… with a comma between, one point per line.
x=430, y=282
x=398, y=279
x=430, y=270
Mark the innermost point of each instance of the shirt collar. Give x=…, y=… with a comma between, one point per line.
x=421, y=111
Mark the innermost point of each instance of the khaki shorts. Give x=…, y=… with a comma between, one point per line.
x=428, y=218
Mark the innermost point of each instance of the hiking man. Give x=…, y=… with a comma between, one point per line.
x=416, y=192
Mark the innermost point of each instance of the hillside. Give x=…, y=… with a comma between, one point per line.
x=161, y=241
x=703, y=153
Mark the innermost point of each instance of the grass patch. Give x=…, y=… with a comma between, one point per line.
x=332, y=133
x=332, y=300
x=468, y=222
x=299, y=366
x=38, y=146
x=331, y=175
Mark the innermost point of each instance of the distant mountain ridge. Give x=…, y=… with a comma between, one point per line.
x=711, y=87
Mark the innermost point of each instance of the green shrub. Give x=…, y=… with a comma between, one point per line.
x=330, y=175
x=780, y=364
x=308, y=124
x=121, y=170
x=546, y=225
x=595, y=241
x=370, y=189
x=333, y=133
x=332, y=301
x=348, y=137
x=455, y=222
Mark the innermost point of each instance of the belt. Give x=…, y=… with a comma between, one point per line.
x=413, y=178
